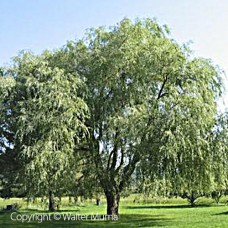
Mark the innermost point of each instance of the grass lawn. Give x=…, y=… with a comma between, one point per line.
x=162, y=213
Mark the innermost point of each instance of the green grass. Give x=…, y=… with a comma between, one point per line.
x=151, y=213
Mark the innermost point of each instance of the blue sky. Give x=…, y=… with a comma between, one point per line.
x=41, y=24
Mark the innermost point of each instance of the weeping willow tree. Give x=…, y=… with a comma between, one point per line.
x=151, y=105
x=48, y=116
x=150, y=108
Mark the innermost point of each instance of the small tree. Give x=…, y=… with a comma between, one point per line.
x=216, y=195
x=192, y=197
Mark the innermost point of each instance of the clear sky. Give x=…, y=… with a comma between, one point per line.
x=42, y=24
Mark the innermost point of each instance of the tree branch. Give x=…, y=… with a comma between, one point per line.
x=121, y=161
x=128, y=170
x=113, y=154
x=161, y=94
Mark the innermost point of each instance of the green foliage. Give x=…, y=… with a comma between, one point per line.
x=48, y=116
x=150, y=103
x=125, y=104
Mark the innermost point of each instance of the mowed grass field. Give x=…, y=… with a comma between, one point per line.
x=151, y=213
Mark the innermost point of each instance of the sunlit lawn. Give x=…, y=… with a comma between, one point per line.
x=163, y=213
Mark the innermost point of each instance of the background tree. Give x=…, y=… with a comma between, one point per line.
x=219, y=150
x=9, y=162
x=49, y=118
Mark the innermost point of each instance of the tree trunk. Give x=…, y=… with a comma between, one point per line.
x=70, y=200
x=192, y=199
x=192, y=202
x=112, y=203
x=51, y=205
x=98, y=201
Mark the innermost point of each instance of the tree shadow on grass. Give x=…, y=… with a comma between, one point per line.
x=124, y=221
x=222, y=213
x=166, y=206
